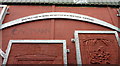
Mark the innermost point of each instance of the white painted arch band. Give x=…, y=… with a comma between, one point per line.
x=3, y=12
x=64, y=15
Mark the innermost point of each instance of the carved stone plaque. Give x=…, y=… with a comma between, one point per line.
x=36, y=54
x=98, y=48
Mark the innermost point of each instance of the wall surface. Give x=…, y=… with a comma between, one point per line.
x=0, y=10
x=59, y=29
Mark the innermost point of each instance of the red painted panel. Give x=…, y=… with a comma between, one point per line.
x=98, y=48
x=113, y=14
x=23, y=11
x=100, y=13
x=58, y=28
x=54, y=28
x=36, y=54
x=64, y=29
x=0, y=10
x=33, y=30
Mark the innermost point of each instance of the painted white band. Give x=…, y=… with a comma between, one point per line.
x=3, y=12
x=64, y=15
x=2, y=53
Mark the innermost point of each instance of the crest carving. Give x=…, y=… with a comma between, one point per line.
x=97, y=40
x=100, y=56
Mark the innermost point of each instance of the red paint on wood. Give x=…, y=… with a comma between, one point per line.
x=58, y=29
x=99, y=13
x=0, y=10
x=23, y=11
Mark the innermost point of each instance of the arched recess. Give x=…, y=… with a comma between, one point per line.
x=64, y=15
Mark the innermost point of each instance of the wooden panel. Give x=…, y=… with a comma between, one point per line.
x=56, y=28
x=98, y=48
x=89, y=11
x=34, y=30
x=36, y=54
x=17, y=12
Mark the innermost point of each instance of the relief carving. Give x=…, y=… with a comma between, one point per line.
x=97, y=40
x=100, y=56
x=36, y=58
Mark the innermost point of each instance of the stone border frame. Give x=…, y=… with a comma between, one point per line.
x=36, y=41
x=77, y=44
x=3, y=12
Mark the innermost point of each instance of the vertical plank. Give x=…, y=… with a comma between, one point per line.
x=53, y=24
